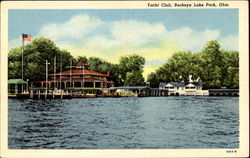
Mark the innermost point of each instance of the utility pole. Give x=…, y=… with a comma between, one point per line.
x=70, y=72
x=61, y=73
x=46, y=77
x=54, y=72
x=83, y=79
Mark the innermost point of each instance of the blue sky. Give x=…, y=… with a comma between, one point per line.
x=226, y=20
x=153, y=33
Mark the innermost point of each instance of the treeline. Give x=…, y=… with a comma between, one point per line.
x=127, y=72
x=216, y=68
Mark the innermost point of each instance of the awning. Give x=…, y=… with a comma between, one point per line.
x=16, y=81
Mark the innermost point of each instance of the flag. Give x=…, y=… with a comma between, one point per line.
x=26, y=37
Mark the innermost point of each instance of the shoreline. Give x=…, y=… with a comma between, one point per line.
x=68, y=96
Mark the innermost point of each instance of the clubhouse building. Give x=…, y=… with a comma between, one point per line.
x=77, y=77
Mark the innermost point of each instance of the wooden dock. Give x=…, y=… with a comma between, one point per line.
x=115, y=92
x=223, y=92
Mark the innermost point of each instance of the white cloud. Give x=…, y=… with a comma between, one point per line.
x=131, y=32
x=100, y=42
x=90, y=36
x=230, y=42
x=15, y=43
x=88, y=32
x=193, y=40
x=76, y=28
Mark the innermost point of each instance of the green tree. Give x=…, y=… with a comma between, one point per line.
x=35, y=54
x=164, y=73
x=14, y=63
x=131, y=68
x=183, y=64
x=153, y=80
x=177, y=68
x=134, y=78
x=216, y=68
x=117, y=78
x=82, y=58
x=211, y=64
x=230, y=69
x=100, y=65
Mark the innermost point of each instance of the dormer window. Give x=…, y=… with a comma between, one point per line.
x=81, y=65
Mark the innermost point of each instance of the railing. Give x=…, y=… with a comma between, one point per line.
x=80, y=78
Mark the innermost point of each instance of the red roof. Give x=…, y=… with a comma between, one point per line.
x=81, y=63
x=80, y=72
x=74, y=79
x=78, y=79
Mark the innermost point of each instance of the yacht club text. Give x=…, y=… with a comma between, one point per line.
x=187, y=5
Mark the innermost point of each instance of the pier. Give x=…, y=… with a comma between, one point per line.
x=123, y=91
x=139, y=91
x=223, y=92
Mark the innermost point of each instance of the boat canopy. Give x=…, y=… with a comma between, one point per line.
x=16, y=81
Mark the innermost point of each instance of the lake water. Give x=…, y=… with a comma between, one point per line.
x=183, y=122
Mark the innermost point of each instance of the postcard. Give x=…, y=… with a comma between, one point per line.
x=124, y=79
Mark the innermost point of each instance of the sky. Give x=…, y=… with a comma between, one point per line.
x=154, y=34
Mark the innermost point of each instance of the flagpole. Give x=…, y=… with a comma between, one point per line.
x=22, y=58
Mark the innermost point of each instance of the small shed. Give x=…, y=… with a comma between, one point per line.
x=16, y=86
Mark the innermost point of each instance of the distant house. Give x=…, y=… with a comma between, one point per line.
x=183, y=88
x=173, y=87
